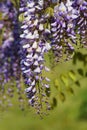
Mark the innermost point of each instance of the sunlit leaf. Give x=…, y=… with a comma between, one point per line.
x=72, y=75
x=56, y=83
x=49, y=12
x=21, y=17
x=64, y=79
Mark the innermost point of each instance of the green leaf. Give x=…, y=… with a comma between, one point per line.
x=80, y=71
x=54, y=102
x=56, y=83
x=77, y=83
x=62, y=96
x=21, y=17
x=64, y=79
x=86, y=74
x=70, y=90
x=72, y=75
x=49, y=11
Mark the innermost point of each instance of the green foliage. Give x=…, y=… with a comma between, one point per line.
x=80, y=71
x=62, y=96
x=21, y=17
x=49, y=11
x=80, y=56
x=56, y=83
x=66, y=81
x=77, y=83
x=54, y=103
x=72, y=75
x=83, y=110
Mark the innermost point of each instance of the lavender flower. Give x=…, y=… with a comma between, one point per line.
x=63, y=29
x=33, y=48
x=81, y=22
x=10, y=61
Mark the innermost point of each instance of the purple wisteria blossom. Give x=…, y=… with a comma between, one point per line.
x=33, y=48
x=63, y=29
x=9, y=58
x=81, y=22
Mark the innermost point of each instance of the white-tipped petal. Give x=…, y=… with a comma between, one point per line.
x=31, y=10
x=40, y=58
x=47, y=69
x=38, y=49
x=26, y=46
x=33, y=83
x=36, y=22
x=41, y=28
x=34, y=45
x=26, y=63
x=29, y=36
x=36, y=34
x=22, y=36
x=26, y=71
x=47, y=79
x=34, y=90
x=33, y=97
x=47, y=85
x=30, y=101
x=54, y=24
x=47, y=31
x=37, y=70
x=36, y=63
x=48, y=46
x=28, y=89
x=26, y=31
x=35, y=56
x=24, y=26
x=54, y=29
x=30, y=4
x=29, y=56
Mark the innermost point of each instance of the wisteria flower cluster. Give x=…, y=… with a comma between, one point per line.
x=33, y=48
x=24, y=43
x=9, y=49
x=81, y=22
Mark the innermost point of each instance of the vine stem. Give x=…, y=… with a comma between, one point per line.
x=16, y=3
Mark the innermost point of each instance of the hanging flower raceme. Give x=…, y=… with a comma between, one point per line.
x=81, y=22
x=33, y=48
x=10, y=61
x=63, y=29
